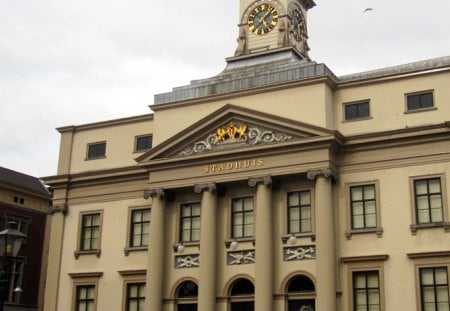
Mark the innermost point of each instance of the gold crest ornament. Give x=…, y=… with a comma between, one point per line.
x=262, y=19
x=232, y=132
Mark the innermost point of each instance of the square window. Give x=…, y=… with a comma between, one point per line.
x=419, y=101
x=143, y=143
x=96, y=150
x=354, y=111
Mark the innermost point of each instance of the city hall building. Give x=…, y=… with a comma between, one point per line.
x=275, y=185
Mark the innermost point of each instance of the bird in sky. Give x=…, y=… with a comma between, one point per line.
x=368, y=10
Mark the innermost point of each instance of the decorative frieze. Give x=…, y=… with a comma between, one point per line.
x=241, y=258
x=299, y=253
x=187, y=261
x=235, y=134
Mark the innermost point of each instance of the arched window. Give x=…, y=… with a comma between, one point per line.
x=186, y=295
x=301, y=294
x=242, y=293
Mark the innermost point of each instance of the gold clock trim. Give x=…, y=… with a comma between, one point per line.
x=262, y=19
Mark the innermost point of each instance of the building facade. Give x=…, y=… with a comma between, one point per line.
x=274, y=185
x=24, y=202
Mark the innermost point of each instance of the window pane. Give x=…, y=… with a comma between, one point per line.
x=369, y=193
x=371, y=221
x=293, y=199
x=294, y=226
x=294, y=213
x=441, y=276
x=248, y=204
x=356, y=193
x=248, y=230
x=305, y=198
x=358, y=222
x=435, y=186
x=306, y=225
x=421, y=186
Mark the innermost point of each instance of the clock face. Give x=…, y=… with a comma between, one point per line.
x=262, y=19
x=297, y=25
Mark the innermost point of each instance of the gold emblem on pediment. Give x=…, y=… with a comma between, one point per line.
x=232, y=133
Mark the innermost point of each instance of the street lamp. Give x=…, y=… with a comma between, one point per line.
x=11, y=241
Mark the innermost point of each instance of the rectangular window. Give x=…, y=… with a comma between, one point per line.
x=190, y=222
x=85, y=298
x=143, y=143
x=135, y=296
x=90, y=232
x=434, y=290
x=366, y=291
x=96, y=150
x=140, y=227
x=428, y=200
x=242, y=209
x=299, y=212
x=356, y=111
x=419, y=101
x=363, y=206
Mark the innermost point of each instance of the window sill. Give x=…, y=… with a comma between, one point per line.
x=95, y=158
x=79, y=253
x=357, y=119
x=186, y=245
x=239, y=240
x=415, y=227
x=420, y=110
x=285, y=237
x=127, y=250
x=377, y=230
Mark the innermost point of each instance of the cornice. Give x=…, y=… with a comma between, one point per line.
x=428, y=254
x=103, y=124
x=97, y=177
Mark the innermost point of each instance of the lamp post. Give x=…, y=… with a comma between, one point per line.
x=10, y=243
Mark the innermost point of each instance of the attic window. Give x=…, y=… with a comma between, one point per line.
x=19, y=200
x=143, y=143
x=96, y=150
x=356, y=111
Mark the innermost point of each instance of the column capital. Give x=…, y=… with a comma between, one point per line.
x=199, y=188
x=326, y=172
x=154, y=193
x=254, y=181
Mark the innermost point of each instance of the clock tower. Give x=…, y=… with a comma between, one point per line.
x=273, y=25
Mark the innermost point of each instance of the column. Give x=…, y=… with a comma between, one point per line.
x=325, y=239
x=207, y=269
x=264, y=244
x=54, y=256
x=155, y=258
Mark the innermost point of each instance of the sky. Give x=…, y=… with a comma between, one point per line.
x=75, y=62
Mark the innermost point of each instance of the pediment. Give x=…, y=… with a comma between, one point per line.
x=232, y=128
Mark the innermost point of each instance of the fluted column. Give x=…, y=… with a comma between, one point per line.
x=155, y=259
x=207, y=269
x=325, y=239
x=264, y=244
